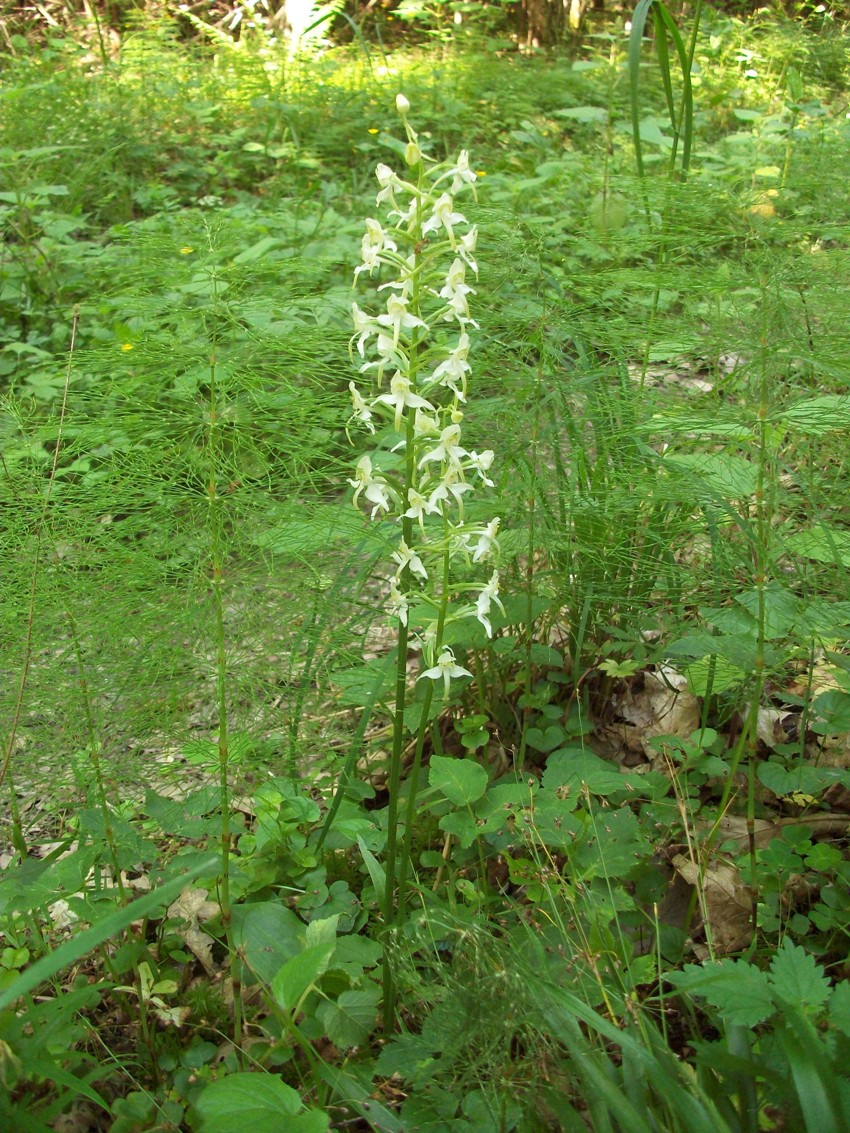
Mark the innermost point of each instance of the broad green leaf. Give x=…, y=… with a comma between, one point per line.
x=268, y=934
x=833, y=708
x=460, y=780
x=721, y=475
x=823, y=543
x=545, y=739
x=463, y=826
x=350, y=1020
x=815, y=416
x=583, y=113
x=715, y=673
x=300, y=973
x=257, y=251
x=258, y=1102
x=781, y=608
x=797, y=978
x=801, y=779
x=741, y=993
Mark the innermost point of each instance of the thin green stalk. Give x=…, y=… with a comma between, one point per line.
x=424, y=728
x=394, y=784
x=217, y=544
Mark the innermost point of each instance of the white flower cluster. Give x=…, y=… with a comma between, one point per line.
x=420, y=343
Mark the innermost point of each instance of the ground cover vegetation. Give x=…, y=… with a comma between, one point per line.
x=425, y=703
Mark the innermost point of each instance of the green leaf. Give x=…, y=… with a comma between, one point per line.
x=740, y=992
x=463, y=826
x=460, y=780
x=814, y=416
x=823, y=543
x=376, y=870
x=300, y=973
x=545, y=739
x=716, y=474
x=797, y=978
x=583, y=113
x=350, y=1020
x=838, y=1011
x=257, y=1102
x=267, y=934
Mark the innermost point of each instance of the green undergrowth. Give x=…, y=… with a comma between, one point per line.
x=626, y=895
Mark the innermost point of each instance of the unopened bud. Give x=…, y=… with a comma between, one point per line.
x=401, y=104
x=412, y=153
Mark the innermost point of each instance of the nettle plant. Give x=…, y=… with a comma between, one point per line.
x=415, y=356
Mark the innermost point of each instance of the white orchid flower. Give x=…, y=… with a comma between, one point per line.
x=445, y=670
x=487, y=543
x=401, y=397
x=374, y=487
x=362, y=412
x=364, y=326
x=389, y=356
x=448, y=449
x=452, y=372
x=425, y=426
x=489, y=594
x=420, y=506
x=466, y=246
x=482, y=462
x=398, y=604
x=389, y=182
x=399, y=318
x=450, y=485
x=443, y=215
x=461, y=174
x=374, y=243
x=407, y=557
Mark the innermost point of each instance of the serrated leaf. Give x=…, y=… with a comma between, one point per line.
x=716, y=474
x=823, y=543
x=838, y=1011
x=462, y=825
x=797, y=978
x=461, y=781
x=740, y=992
x=814, y=416
x=349, y=1021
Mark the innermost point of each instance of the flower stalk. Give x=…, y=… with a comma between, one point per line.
x=413, y=358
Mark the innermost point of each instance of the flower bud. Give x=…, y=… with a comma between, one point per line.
x=412, y=153
x=402, y=105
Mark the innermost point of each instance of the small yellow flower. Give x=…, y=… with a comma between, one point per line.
x=186, y=251
x=126, y=346
x=373, y=131
x=480, y=172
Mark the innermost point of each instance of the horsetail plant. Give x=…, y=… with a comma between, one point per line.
x=414, y=354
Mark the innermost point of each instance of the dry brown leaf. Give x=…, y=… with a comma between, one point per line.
x=727, y=901
x=192, y=907
x=659, y=705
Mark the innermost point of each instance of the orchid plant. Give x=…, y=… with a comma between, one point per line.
x=413, y=358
